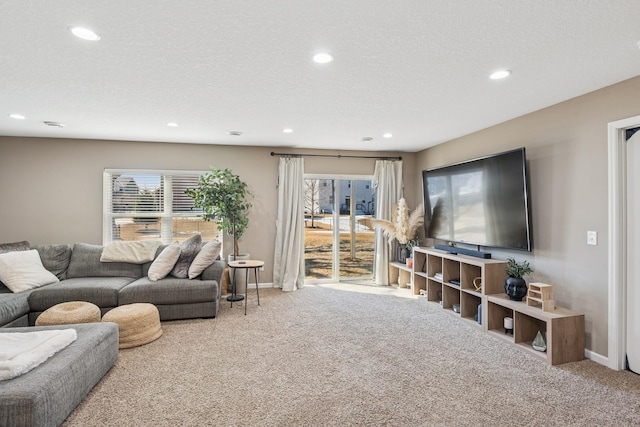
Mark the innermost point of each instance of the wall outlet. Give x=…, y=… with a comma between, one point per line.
x=261, y=268
x=592, y=238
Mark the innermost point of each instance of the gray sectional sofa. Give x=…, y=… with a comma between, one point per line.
x=46, y=395
x=83, y=277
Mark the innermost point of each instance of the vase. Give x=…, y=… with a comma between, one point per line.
x=403, y=253
x=538, y=343
x=515, y=288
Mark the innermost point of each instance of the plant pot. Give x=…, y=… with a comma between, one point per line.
x=515, y=288
x=242, y=280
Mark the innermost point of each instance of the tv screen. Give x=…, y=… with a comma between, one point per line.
x=482, y=202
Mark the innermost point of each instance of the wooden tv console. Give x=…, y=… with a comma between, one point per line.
x=439, y=273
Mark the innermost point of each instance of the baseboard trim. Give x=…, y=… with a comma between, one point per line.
x=598, y=358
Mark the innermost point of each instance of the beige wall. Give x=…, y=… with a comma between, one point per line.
x=567, y=163
x=52, y=188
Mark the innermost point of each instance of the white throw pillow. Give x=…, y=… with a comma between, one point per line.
x=205, y=258
x=23, y=270
x=164, y=263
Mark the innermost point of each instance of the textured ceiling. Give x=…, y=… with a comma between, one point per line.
x=415, y=68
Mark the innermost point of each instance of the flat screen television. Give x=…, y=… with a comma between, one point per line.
x=482, y=202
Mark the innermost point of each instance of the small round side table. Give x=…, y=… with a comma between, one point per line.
x=246, y=265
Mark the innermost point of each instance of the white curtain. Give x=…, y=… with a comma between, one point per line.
x=288, y=262
x=388, y=182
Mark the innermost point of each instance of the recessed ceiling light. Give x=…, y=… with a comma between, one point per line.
x=323, y=57
x=235, y=133
x=84, y=33
x=387, y=135
x=287, y=130
x=500, y=74
x=172, y=125
x=54, y=124
x=17, y=116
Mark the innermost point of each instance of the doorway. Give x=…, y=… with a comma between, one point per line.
x=338, y=229
x=619, y=285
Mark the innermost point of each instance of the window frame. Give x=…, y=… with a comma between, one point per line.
x=166, y=214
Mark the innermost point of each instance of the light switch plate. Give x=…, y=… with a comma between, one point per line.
x=592, y=238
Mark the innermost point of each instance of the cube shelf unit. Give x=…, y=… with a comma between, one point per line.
x=562, y=329
x=448, y=279
x=437, y=272
x=399, y=274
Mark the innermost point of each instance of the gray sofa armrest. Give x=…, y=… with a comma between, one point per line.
x=214, y=272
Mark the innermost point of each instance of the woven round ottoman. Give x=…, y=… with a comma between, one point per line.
x=69, y=312
x=138, y=323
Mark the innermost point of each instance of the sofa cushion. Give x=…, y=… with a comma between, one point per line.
x=55, y=258
x=101, y=291
x=205, y=258
x=15, y=246
x=13, y=306
x=85, y=262
x=188, y=251
x=23, y=270
x=169, y=290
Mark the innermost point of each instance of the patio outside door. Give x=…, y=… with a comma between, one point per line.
x=339, y=236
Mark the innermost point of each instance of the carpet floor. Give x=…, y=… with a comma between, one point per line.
x=348, y=355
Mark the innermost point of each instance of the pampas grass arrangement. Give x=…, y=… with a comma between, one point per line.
x=403, y=226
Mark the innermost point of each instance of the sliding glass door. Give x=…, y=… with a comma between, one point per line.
x=338, y=230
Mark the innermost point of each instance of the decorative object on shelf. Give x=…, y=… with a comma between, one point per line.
x=402, y=227
x=410, y=262
x=538, y=343
x=541, y=295
x=515, y=286
x=477, y=284
x=508, y=325
x=456, y=308
x=479, y=315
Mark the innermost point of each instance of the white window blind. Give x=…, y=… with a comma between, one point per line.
x=152, y=205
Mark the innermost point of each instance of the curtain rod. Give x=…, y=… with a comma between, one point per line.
x=339, y=156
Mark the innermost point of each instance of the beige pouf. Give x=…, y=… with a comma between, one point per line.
x=138, y=323
x=69, y=312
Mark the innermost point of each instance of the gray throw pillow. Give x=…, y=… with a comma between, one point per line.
x=188, y=251
x=55, y=258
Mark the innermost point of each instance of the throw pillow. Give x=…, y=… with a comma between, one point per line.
x=205, y=258
x=163, y=264
x=23, y=270
x=188, y=251
x=55, y=258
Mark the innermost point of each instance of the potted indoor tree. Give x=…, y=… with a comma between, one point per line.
x=515, y=286
x=223, y=196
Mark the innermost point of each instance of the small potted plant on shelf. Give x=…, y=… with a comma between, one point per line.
x=402, y=227
x=410, y=245
x=515, y=286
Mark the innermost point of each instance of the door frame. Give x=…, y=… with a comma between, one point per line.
x=335, y=267
x=617, y=253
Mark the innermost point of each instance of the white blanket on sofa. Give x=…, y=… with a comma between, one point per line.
x=20, y=352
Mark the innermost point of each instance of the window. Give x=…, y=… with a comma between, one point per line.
x=151, y=205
